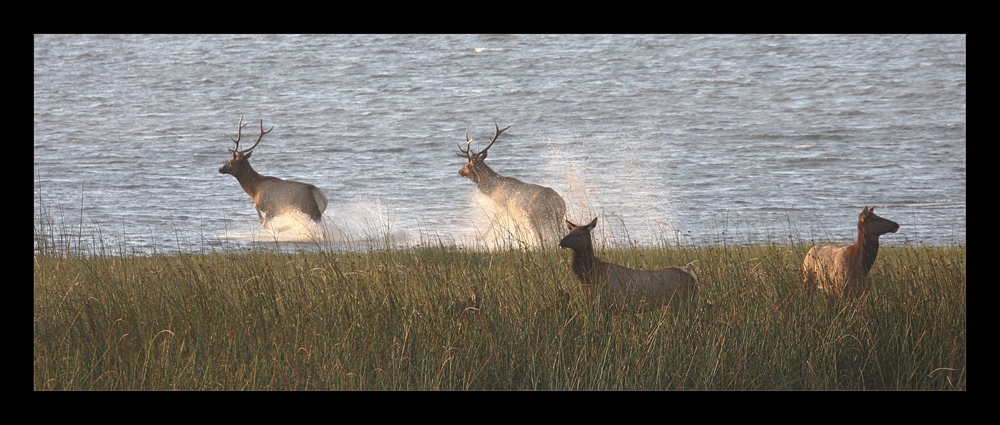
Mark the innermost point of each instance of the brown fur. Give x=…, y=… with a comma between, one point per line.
x=622, y=285
x=541, y=206
x=273, y=196
x=845, y=269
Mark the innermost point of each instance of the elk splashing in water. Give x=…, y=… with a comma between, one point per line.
x=536, y=208
x=272, y=196
x=622, y=285
x=845, y=269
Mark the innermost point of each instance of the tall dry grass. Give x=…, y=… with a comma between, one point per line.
x=447, y=318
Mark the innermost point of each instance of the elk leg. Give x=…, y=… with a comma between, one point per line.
x=259, y=216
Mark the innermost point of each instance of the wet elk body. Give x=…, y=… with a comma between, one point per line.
x=272, y=196
x=845, y=269
x=541, y=207
x=622, y=285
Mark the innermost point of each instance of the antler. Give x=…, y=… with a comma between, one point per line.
x=496, y=133
x=262, y=133
x=468, y=142
x=239, y=134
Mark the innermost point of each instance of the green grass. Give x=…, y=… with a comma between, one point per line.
x=396, y=320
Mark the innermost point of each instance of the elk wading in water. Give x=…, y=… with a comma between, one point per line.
x=272, y=196
x=845, y=269
x=540, y=206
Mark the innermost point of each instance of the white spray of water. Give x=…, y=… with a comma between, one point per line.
x=367, y=221
x=294, y=226
x=496, y=227
x=589, y=191
x=363, y=223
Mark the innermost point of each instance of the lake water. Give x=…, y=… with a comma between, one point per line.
x=670, y=139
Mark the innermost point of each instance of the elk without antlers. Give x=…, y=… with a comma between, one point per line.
x=621, y=285
x=845, y=269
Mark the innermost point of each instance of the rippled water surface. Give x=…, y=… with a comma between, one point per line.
x=670, y=139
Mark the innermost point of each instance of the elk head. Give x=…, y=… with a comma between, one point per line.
x=476, y=158
x=240, y=162
x=579, y=236
x=873, y=225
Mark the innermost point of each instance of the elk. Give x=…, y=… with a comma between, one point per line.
x=272, y=196
x=845, y=269
x=541, y=207
x=622, y=285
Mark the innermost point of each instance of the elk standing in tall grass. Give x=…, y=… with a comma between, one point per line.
x=540, y=206
x=272, y=196
x=622, y=285
x=845, y=269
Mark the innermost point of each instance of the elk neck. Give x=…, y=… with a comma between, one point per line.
x=486, y=179
x=249, y=178
x=865, y=250
x=585, y=264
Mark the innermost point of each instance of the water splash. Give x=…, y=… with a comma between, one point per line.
x=294, y=226
x=363, y=223
x=579, y=208
x=496, y=227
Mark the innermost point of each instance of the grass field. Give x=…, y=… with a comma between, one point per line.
x=452, y=319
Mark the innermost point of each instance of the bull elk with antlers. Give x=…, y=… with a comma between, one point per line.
x=272, y=196
x=845, y=269
x=621, y=285
x=540, y=206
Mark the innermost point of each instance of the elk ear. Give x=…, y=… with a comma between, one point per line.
x=247, y=155
x=570, y=225
x=592, y=224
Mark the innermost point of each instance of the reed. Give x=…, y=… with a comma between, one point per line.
x=453, y=319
